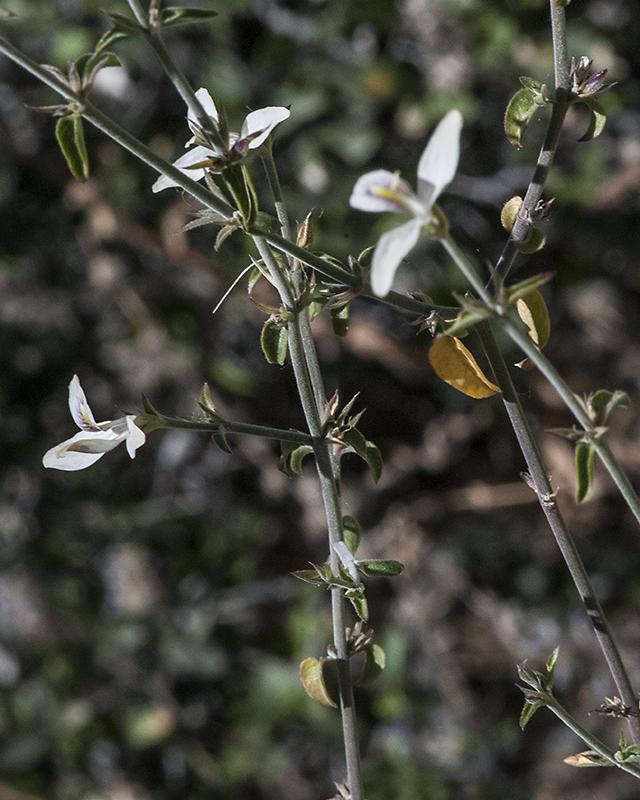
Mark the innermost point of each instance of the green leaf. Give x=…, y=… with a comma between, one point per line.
x=110, y=38
x=375, y=663
x=174, y=15
x=597, y=120
x=340, y=319
x=220, y=438
x=359, y=603
x=207, y=400
x=353, y=437
x=525, y=287
x=520, y=111
x=380, y=568
x=351, y=532
x=308, y=576
x=311, y=675
x=274, y=341
x=551, y=667
x=602, y=403
x=148, y=408
x=124, y=25
x=373, y=457
x=297, y=456
x=465, y=320
x=70, y=136
x=585, y=468
x=528, y=711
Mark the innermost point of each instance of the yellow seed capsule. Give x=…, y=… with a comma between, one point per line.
x=455, y=365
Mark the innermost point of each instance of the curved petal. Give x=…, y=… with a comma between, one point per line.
x=135, y=436
x=390, y=250
x=259, y=124
x=191, y=157
x=439, y=161
x=81, y=451
x=79, y=408
x=208, y=106
x=377, y=191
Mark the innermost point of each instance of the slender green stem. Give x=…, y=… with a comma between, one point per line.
x=304, y=361
x=522, y=227
x=176, y=76
x=274, y=182
x=539, y=480
x=239, y=427
x=595, y=744
x=118, y=134
x=523, y=340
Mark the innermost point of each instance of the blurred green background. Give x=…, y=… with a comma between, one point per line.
x=150, y=630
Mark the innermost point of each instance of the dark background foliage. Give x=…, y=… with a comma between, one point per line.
x=150, y=630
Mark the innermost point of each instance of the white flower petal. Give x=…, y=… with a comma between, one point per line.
x=193, y=156
x=439, y=160
x=81, y=451
x=208, y=106
x=79, y=407
x=135, y=436
x=260, y=123
x=390, y=250
x=370, y=192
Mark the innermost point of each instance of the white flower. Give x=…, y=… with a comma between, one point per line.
x=254, y=132
x=95, y=438
x=382, y=190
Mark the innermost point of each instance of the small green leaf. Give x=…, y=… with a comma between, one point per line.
x=359, y=603
x=528, y=711
x=520, y=111
x=274, y=341
x=374, y=665
x=148, y=408
x=110, y=38
x=207, y=400
x=597, y=119
x=297, y=456
x=373, y=457
x=356, y=440
x=311, y=675
x=340, y=319
x=174, y=15
x=585, y=470
x=380, y=568
x=465, y=320
x=351, y=532
x=602, y=403
x=525, y=287
x=551, y=667
x=308, y=576
x=220, y=438
x=124, y=25
x=70, y=136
